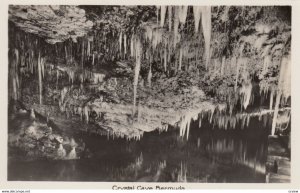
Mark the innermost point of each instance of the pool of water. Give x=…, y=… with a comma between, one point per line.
x=209, y=154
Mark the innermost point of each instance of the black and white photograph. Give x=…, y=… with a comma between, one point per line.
x=149, y=93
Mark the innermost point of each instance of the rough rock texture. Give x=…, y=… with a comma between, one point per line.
x=56, y=23
x=107, y=101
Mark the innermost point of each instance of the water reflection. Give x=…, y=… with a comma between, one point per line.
x=208, y=155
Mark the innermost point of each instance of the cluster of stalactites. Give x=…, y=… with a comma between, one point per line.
x=283, y=91
x=219, y=118
x=179, y=15
x=84, y=112
x=188, y=117
x=18, y=67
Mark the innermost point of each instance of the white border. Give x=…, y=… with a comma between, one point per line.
x=295, y=171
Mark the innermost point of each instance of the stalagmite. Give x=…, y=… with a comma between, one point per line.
x=61, y=152
x=206, y=25
x=32, y=114
x=72, y=154
x=163, y=10
x=197, y=10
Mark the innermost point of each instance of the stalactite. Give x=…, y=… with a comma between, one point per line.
x=185, y=125
x=200, y=122
x=248, y=120
x=211, y=115
x=246, y=92
x=238, y=63
x=163, y=10
x=40, y=78
x=266, y=63
x=197, y=10
x=206, y=25
x=120, y=42
x=284, y=87
x=149, y=78
x=170, y=17
x=157, y=11
x=274, y=122
x=157, y=38
x=82, y=53
x=57, y=77
x=284, y=82
x=180, y=58
x=93, y=61
x=271, y=99
x=176, y=24
x=66, y=53
x=125, y=44
x=138, y=55
x=182, y=12
x=88, y=48
x=222, y=65
x=43, y=67
x=132, y=46
x=165, y=58
x=86, y=114
x=148, y=33
x=31, y=61
x=14, y=74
